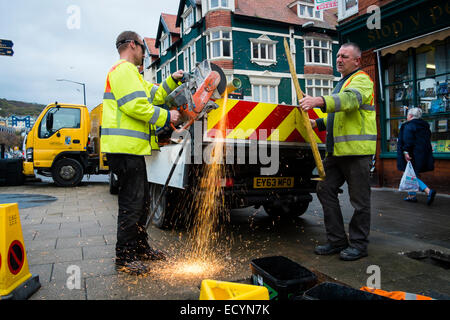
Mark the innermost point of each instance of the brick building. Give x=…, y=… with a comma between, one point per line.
x=245, y=38
x=408, y=56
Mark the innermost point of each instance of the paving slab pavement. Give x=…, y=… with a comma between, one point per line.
x=79, y=229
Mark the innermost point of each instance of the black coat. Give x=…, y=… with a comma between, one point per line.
x=414, y=137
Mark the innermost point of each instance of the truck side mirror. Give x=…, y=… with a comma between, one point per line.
x=49, y=121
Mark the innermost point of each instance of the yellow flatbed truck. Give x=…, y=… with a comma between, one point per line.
x=64, y=144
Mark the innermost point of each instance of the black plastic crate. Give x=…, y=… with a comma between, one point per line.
x=335, y=291
x=11, y=172
x=283, y=277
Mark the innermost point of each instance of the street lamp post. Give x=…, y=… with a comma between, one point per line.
x=84, y=87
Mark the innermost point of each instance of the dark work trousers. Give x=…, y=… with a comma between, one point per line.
x=355, y=171
x=134, y=200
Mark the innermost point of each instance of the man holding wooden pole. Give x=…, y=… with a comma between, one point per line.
x=351, y=143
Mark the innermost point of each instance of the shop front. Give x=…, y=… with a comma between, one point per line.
x=409, y=59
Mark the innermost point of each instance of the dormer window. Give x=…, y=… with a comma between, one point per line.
x=307, y=9
x=164, y=42
x=188, y=20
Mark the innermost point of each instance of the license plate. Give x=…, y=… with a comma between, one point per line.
x=273, y=182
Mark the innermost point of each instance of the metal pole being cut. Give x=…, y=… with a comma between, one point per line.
x=305, y=116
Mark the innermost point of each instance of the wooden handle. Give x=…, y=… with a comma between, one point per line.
x=305, y=116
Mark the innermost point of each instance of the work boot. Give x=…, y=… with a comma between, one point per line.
x=328, y=249
x=135, y=267
x=351, y=254
x=152, y=254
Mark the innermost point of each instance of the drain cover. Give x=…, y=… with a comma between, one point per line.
x=26, y=200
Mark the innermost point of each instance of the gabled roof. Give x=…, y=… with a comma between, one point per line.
x=151, y=46
x=279, y=11
x=167, y=24
x=194, y=3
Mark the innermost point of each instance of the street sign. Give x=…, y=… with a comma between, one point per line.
x=6, y=52
x=6, y=43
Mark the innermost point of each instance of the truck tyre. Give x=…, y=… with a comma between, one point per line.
x=164, y=214
x=292, y=210
x=67, y=172
x=113, y=183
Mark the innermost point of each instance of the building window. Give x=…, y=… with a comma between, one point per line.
x=188, y=20
x=347, y=8
x=214, y=4
x=189, y=56
x=218, y=44
x=164, y=42
x=308, y=10
x=318, y=52
x=418, y=78
x=165, y=71
x=263, y=50
x=265, y=93
x=319, y=87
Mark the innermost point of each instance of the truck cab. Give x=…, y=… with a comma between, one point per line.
x=58, y=145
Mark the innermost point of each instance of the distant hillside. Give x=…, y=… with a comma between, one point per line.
x=19, y=108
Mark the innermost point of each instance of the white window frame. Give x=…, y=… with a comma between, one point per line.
x=220, y=4
x=189, y=57
x=193, y=56
x=344, y=13
x=188, y=20
x=312, y=84
x=306, y=15
x=165, y=43
x=263, y=42
x=257, y=93
x=165, y=71
x=210, y=42
x=313, y=48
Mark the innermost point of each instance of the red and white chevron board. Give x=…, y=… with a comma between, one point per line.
x=246, y=120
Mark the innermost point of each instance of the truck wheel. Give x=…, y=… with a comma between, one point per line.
x=163, y=217
x=113, y=183
x=67, y=172
x=292, y=210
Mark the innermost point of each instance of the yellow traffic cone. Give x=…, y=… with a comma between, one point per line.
x=16, y=281
x=221, y=290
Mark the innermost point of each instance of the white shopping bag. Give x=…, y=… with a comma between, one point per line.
x=409, y=180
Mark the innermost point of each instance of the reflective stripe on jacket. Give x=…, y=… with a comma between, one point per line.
x=354, y=126
x=396, y=295
x=130, y=114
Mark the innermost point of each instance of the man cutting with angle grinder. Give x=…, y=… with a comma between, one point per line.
x=129, y=121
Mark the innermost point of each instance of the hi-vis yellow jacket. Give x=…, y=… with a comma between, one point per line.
x=130, y=114
x=354, y=128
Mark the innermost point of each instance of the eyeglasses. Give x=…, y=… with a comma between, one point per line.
x=135, y=42
x=141, y=44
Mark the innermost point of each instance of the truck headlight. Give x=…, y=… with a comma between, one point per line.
x=29, y=155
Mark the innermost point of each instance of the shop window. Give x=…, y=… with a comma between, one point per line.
x=418, y=78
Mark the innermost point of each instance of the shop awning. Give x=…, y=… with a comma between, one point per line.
x=416, y=42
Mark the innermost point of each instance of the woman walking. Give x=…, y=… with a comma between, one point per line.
x=414, y=145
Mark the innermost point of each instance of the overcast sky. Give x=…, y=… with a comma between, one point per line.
x=48, y=45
